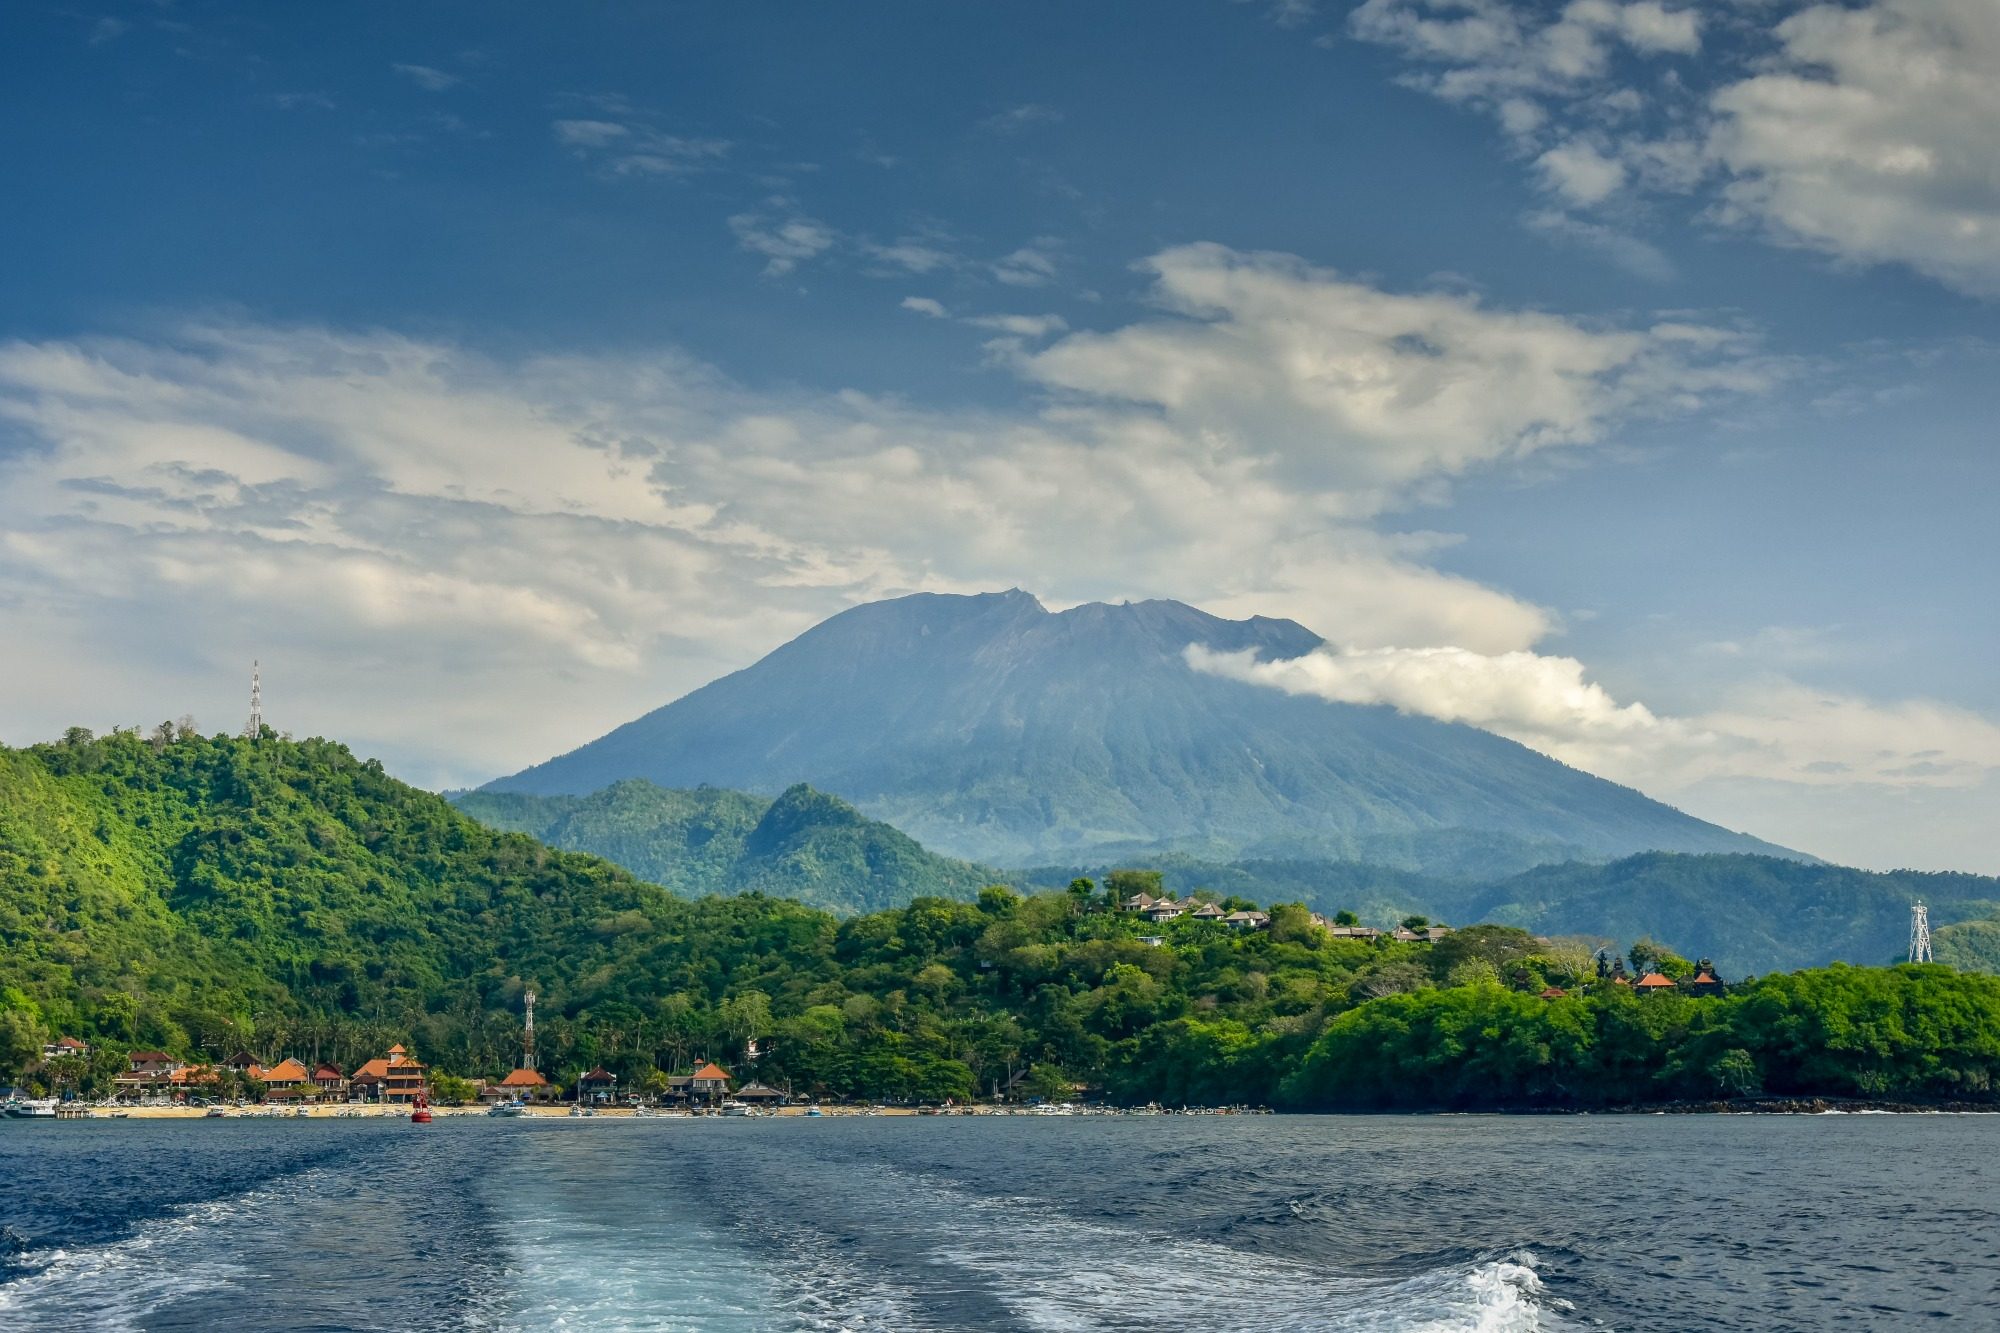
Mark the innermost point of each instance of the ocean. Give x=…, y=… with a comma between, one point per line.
x=1118, y=1223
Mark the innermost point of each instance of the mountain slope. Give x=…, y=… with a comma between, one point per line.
x=804, y=845
x=164, y=894
x=990, y=728
x=1749, y=913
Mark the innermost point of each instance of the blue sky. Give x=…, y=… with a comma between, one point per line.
x=1616, y=375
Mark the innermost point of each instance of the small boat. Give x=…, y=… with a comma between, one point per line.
x=814, y=1110
x=214, y=1113
x=32, y=1110
x=735, y=1108
x=508, y=1109
x=301, y=1113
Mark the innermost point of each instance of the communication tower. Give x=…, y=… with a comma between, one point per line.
x=255, y=726
x=1920, y=933
x=528, y=1035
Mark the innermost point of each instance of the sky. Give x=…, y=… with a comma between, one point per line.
x=1615, y=375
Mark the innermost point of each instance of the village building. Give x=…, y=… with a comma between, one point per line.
x=1354, y=932
x=329, y=1080
x=599, y=1085
x=709, y=1083
x=759, y=1094
x=1248, y=920
x=62, y=1046
x=1161, y=910
x=1208, y=912
x=284, y=1076
x=395, y=1077
x=1704, y=981
x=526, y=1085
x=1653, y=983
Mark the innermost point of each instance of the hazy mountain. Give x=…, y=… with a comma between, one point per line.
x=1749, y=913
x=993, y=729
x=804, y=845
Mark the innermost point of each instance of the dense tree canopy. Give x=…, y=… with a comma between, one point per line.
x=210, y=895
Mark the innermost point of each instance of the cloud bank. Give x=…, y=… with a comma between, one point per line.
x=1859, y=131
x=430, y=547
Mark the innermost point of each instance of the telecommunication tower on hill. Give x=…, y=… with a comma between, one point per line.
x=255, y=726
x=528, y=1034
x=1920, y=933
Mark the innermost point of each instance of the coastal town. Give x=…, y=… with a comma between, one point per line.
x=397, y=1081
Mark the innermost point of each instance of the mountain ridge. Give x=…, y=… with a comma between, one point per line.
x=806, y=844
x=994, y=730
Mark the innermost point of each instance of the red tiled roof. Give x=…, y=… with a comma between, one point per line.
x=1553, y=993
x=1653, y=981
x=1704, y=978
x=376, y=1068
x=151, y=1056
x=712, y=1072
x=524, y=1078
x=287, y=1068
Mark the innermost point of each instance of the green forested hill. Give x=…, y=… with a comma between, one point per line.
x=805, y=845
x=1751, y=913
x=210, y=895
x=193, y=893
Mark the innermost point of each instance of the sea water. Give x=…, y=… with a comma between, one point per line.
x=1196, y=1223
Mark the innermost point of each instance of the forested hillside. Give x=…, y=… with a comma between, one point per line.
x=805, y=845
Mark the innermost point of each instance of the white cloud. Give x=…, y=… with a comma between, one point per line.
x=1025, y=116
x=435, y=543
x=924, y=305
x=429, y=79
x=1628, y=252
x=785, y=242
x=1777, y=731
x=634, y=148
x=589, y=133
x=1580, y=173
x=1020, y=326
x=1860, y=131
x=1869, y=135
x=1367, y=392
x=1033, y=265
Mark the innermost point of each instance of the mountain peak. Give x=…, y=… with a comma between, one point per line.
x=994, y=729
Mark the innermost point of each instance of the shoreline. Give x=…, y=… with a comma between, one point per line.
x=1769, y=1106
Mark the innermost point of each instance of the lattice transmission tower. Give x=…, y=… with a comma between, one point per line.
x=528, y=1034
x=255, y=726
x=1920, y=933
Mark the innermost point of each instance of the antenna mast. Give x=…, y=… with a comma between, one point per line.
x=1920, y=933
x=528, y=1035
x=255, y=726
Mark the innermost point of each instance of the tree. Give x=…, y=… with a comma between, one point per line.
x=452, y=1090
x=1047, y=1083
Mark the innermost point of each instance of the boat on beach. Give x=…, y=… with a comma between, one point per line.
x=44, y=1109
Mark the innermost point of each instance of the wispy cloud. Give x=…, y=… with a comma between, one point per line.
x=636, y=149
x=429, y=78
x=785, y=237
x=1024, y=116
x=634, y=524
x=1861, y=131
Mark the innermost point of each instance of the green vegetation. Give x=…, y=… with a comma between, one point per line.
x=804, y=845
x=204, y=895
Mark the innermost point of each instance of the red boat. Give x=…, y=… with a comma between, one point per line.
x=422, y=1114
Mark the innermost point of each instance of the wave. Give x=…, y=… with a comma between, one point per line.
x=165, y=1261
